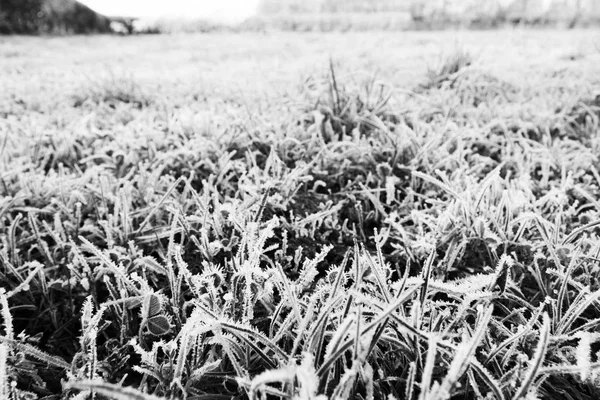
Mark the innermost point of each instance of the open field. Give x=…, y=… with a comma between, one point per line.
x=182, y=66
x=236, y=216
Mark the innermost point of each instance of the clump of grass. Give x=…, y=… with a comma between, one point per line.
x=584, y=118
x=449, y=69
x=113, y=90
x=356, y=108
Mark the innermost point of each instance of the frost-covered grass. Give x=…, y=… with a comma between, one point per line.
x=432, y=234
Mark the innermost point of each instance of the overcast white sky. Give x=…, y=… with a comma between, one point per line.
x=213, y=9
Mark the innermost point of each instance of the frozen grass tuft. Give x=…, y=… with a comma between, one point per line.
x=112, y=90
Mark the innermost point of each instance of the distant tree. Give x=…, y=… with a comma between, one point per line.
x=20, y=16
x=123, y=25
x=49, y=16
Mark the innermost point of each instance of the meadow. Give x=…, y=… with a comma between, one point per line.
x=407, y=215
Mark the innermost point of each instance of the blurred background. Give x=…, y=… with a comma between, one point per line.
x=155, y=16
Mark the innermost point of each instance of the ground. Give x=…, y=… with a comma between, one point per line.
x=276, y=63
x=350, y=215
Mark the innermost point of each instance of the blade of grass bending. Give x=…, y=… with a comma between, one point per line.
x=380, y=280
x=348, y=305
x=124, y=214
x=234, y=329
x=275, y=319
x=537, y=360
x=428, y=368
x=37, y=354
x=575, y=311
x=376, y=203
x=404, y=278
x=228, y=347
x=259, y=384
x=438, y=183
x=380, y=330
x=546, y=237
x=43, y=246
x=157, y=205
x=302, y=326
x=565, y=283
x=463, y=356
x=357, y=335
x=320, y=335
x=289, y=292
x=269, y=363
x=335, y=343
x=325, y=311
x=526, y=329
x=114, y=268
x=590, y=326
x=183, y=350
x=486, y=183
x=110, y=390
x=487, y=378
x=324, y=314
x=335, y=93
x=410, y=382
x=472, y=385
x=427, y=276
x=145, y=371
x=578, y=231
x=568, y=369
x=338, y=278
x=12, y=239
x=38, y=267
x=376, y=337
x=343, y=390
x=389, y=312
